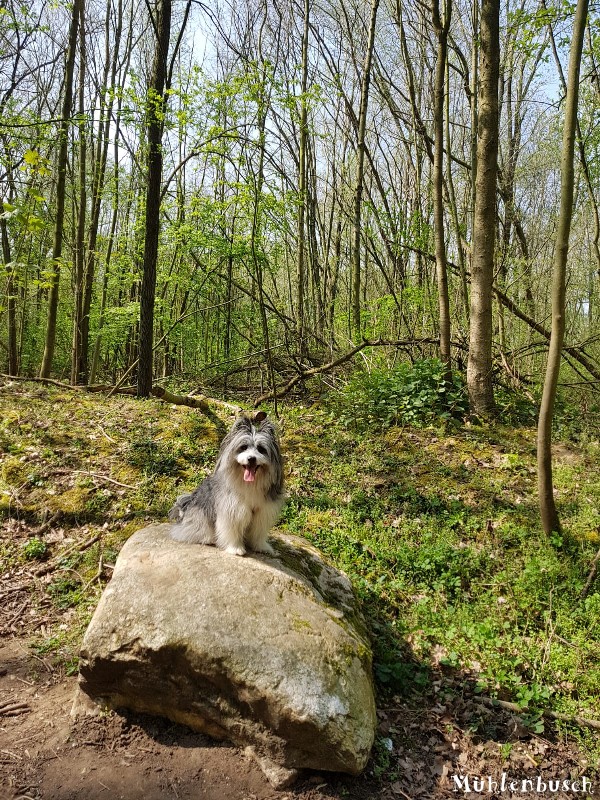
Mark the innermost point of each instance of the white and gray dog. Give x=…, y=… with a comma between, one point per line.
x=236, y=506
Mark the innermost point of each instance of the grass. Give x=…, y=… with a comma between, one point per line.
x=437, y=529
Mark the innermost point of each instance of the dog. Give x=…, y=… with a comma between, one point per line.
x=236, y=506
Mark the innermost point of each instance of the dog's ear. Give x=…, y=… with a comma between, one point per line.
x=260, y=416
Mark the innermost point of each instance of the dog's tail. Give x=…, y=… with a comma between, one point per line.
x=178, y=510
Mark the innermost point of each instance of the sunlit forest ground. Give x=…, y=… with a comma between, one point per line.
x=436, y=526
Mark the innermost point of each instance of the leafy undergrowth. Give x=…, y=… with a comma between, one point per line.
x=438, y=531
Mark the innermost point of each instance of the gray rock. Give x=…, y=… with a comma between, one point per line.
x=268, y=652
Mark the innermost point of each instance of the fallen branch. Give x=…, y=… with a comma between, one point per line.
x=574, y=352
x=582, y=722
x=64, y=471
x=591, y=577
x=42, y=380
x=307, y=373
x=48, y=524
x=16, y=616
x=55, y=561
x=13, y=709
x=193, y=401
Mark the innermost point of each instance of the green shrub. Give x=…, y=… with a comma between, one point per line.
x=409, y=394
x=35, y=549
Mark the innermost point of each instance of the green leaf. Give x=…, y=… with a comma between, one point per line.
x=31, y=157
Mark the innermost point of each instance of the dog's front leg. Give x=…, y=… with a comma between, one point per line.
x=262, y=521
x=229, y=535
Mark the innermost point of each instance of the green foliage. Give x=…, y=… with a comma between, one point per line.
x=65, y=591
x=409, y=394
x=516, y=408
x=35, y=549
x=438, y=532
x=441, y=539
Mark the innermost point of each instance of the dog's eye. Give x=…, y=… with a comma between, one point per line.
x=241, y=449
x=262, y=449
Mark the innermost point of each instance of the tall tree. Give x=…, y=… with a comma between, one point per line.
x=479, y=365
x=13, y=352
x=360, y=172
x=81, y=211
x=442, y=27
x=155, y=111
x=61, y=183
x=549, y=513
x=302, y=183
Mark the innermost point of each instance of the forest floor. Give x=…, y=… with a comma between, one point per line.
x=437, y=529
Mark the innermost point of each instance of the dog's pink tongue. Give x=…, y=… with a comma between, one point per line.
x=249, y=474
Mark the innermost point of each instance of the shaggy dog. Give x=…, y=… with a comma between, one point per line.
x=236, y=506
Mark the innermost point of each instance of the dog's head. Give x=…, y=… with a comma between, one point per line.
x=251, y=449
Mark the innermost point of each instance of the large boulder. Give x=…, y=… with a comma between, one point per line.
x=270, y=652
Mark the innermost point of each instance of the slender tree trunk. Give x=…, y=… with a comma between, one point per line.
x=61, y=169
x=441, y=29
x=106, y=117
x=360, y=173
x=156, y=103
x=76, y=376
x=11, y=305
x=474, y=113
x=460, y=241
x=549, y=513
x=479, y=366
x=302, y=182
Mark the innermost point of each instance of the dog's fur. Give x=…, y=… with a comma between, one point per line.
x=236, y=506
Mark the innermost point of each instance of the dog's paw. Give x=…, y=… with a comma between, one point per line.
x=236, y=551
x=265, y=548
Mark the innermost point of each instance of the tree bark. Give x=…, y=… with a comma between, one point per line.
x=360, y=173
x=441, y=29
x=302, y=184
x=61, y=169
x=156, y=103
x=548, y=510
x=11, y=306
x=76, y=352
x=479, y=365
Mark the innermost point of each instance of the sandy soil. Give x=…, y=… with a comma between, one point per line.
x=45, y=754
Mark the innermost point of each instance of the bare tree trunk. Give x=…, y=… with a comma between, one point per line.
x=302, y=184
x=113, y=40
x=549, y=514
x=156, y=102
x=76, y=351
x=11, y=306
x=479, y=366
x=61, y=169
x=474, y=113
x=360, y=173
x=441, y=29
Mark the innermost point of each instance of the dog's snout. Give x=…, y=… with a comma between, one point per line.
x=251, y=461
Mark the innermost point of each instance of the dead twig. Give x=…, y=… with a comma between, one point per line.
x=51, y=565
x=18, y=614
x=45, y=525
x=64, y=471
x=575, y=719
x=97, y=576
x=591, y=577
x=199, y=401
x=14, y=709
x=42, y=380
x=309, y=372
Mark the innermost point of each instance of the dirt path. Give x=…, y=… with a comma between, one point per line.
x=44, y=754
